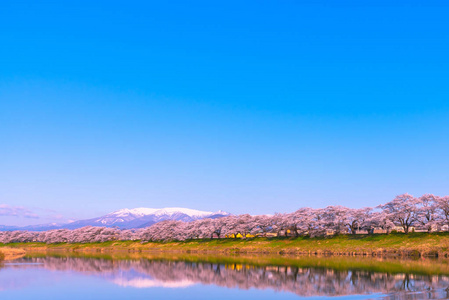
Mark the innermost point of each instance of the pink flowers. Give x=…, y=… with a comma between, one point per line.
x=404, y=213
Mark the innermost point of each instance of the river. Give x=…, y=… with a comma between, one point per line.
x=62, y=276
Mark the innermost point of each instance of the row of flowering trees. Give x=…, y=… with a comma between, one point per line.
x=428, y=212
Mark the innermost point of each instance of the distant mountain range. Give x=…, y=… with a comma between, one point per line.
x=129, y=218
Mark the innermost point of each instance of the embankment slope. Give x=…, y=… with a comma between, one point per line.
x=413, y=244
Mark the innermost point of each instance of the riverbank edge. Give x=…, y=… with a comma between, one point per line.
x=7, y=253
x=400, y=245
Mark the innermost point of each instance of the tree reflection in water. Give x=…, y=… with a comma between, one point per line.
x=142, y=273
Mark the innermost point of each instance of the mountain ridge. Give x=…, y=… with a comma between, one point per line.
x=128, y=218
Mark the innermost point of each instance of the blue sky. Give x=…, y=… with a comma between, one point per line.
x=255, y=107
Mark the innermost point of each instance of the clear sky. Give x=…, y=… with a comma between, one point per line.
x=250, y=107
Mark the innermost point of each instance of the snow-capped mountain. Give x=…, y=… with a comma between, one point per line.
x=144, y=217
x=131, y=218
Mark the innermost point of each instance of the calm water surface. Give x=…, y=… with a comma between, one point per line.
x=60, y=277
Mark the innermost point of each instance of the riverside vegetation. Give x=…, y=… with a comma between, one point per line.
x=246, y=264
x=331, y=230
x=394, y=244
x=9, y=253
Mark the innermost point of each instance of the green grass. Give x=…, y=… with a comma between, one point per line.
x=392, y=244
x=265, y=252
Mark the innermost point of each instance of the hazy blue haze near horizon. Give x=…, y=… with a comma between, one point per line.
x=252, y=107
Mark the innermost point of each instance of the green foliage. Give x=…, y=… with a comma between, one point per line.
x=426, y=244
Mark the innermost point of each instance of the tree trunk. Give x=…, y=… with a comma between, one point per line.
x=296, y=233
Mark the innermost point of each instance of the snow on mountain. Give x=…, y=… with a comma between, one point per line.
x=144, y=217
x=137, y=217
x=132, y=218
x=160, y=212
x=126, y=212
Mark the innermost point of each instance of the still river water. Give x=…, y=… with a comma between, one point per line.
x=231, y=277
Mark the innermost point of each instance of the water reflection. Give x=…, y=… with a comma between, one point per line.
x=308, y=281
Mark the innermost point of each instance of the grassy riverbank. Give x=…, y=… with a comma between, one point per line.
x=413, y=244
x=7, y=253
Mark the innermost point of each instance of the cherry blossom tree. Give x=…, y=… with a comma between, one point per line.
x=380, y=219
x=356, y=219
x=402, y=211
x=428, y=216
x=317, y=225
x=261, y=225
x=427, y=212
x=336, y=218
x=442, y=204
x=302, y=221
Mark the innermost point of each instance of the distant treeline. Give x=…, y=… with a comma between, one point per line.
x=405, y=212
